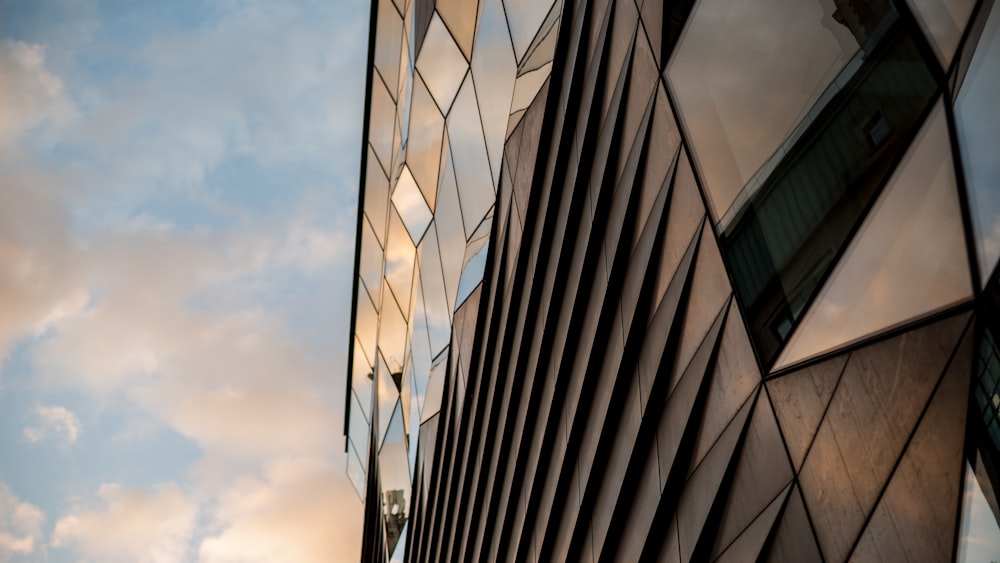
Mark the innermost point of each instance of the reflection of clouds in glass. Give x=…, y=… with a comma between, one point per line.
x=978, y=124
x=723, y=76
x=980, y=535
x=907, y=259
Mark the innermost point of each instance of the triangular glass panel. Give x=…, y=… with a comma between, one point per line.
x=943, y=22
x=423, y=148
x=434, y=290
x=441, y=64
x=979, y=538
x=412, y=207
x=435, y=387
x=376, y=195
x=494, y=70
x=460, y=17
x=356, y=472
x=527, y=87
x=450, y=223
x=388, y=40
x=394, y=471
x=399, y=551
x=420, y=349
x=388, y=398
x=525, y=18
x=358, y=429
x=400, y=254
x=381, y=122
x=543, y=48
x=469, y=159
x=371, y=261
x=392, y=333
x=366, y=325
x=362, y=378
x=915, y=518
x=475, y=265
x=978, y=126
x=909, y=258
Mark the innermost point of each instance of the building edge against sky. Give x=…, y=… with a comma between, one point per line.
x=690, y=281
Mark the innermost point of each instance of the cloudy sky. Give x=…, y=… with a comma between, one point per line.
x=178, y=186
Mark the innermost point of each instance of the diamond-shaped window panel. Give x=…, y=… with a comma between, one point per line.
x=441, y=64
x=411, y=205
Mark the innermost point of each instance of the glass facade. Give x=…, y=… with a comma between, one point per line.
x=696, y=281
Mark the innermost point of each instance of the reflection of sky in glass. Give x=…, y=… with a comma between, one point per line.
x=980, y=536
x=724, y=73
x=907, y=259
x=978, y=121
x=436, y=137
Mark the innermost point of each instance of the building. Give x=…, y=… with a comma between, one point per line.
x=683, y=281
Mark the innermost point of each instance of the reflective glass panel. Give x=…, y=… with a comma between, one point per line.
x=388, y=398
x=371, y=261
x=460, y=17
x=781, y=236
x=525, y=17
x=376, y=195
x=362, y=377
x=411, y=205
x=381, y=123
x=435, y=295
x=943, y=21
x=357, y=472
x=388, y=40
x=359, y=430
x=544, y=49
x=435, y=387
x=978, y=124
x=728, y=65
x=908, y=258
x=441, y=64
x=494, y=70
x=392, y=333
x=469, y=158
x=527, y=87
x=979, y=538
x=400, y=253
x=472, y=273
x=366, y=325
x=423, y=148
x=395, y=475
x=450, y=229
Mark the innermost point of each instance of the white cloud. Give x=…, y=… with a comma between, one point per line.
x=294, y=514
x=53, y=421
x=20, y=527
x=197, y=325
x=30, y=95
x=131, y=525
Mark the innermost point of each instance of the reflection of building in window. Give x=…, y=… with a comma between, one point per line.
x=395, y=514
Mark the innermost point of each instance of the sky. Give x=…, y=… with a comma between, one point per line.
x=178, y=191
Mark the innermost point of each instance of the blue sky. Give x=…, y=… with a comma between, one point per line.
x=178, y=186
